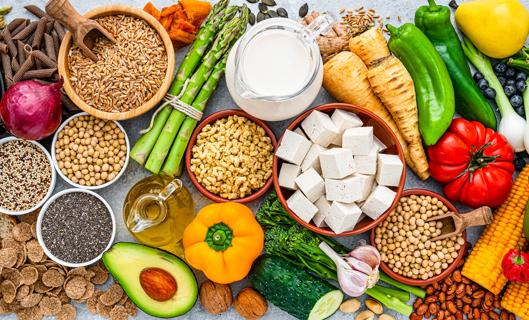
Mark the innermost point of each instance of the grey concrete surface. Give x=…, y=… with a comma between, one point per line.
x=115, y=194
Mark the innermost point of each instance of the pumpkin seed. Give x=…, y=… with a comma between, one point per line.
x=282, y=12
x=303, y=10
x=263, y=8
x=252, y=1
x=272, y=14
x=260, y=17
x=251, y=18
x=269, y=3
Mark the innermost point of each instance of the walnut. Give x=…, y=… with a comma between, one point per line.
x=250, y=304
x=216, y=298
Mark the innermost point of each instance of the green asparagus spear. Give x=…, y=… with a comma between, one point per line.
x=177, y=151
x=216, y=19
x=221, y=45
x=203, y=40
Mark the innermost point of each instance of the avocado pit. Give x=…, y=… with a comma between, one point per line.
x=158, y=284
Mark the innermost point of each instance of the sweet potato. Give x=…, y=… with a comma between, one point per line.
x=152, y=10
x=196, y=10
x=345, y=78
x=181, y=38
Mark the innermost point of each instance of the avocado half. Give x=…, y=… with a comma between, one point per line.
x=159, y=283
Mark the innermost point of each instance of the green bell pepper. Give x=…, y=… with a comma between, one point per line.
x=434, y=21
x=433, y=87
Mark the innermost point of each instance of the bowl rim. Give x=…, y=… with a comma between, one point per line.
x=146, y=106
x=52, y=183
x=355, y=109
x=208, y=120
x=65, y=178
x=445, y=272
x=43, y=212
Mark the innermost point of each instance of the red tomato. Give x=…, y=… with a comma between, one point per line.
x=474, y=163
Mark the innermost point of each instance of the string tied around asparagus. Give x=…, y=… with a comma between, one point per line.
x=176, y=103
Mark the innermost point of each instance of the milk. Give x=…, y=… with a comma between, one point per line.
x=276, y=63
x=274, y=72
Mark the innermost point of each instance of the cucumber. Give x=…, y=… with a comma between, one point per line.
x=293, y=289
x=526, y=222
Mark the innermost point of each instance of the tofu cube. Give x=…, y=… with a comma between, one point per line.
x=288, y=174
x=366, y=185
x=389, y=170
x=319, y=128
x=343, y=217
x=293, y=147
x=367, y=164
x=379, y=144
x=359, y=140
x=324, y=209
x=378, y=202
x=311, y=184
x=312, y=159
x=299, y=131
x=337, y=163
x=346, y=190
x=344, y=120
x=302, y=206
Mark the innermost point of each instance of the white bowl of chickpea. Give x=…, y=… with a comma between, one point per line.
x=90, y=153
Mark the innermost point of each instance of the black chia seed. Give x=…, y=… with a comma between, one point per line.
x=77, y=227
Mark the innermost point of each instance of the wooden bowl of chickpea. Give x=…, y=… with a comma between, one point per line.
x=403, y=240
x=230, y=156
x=90, y=153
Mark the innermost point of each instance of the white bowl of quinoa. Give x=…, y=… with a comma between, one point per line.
x=75, y=227
x=27, y=176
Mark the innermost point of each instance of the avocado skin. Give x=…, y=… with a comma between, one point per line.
x=126, y=260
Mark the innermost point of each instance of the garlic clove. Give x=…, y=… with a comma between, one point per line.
x=352, y=282
x=367, y=254
x=359, y=265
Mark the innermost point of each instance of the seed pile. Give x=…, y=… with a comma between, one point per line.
x=457, y=297
x=91, y=151
x=128, y=73
x=76, y=227
x=232, y=157
x=32, y=286
x=359, y=20
x=25, y=175
x=403, y=239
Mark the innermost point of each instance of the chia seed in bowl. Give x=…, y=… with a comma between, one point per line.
x=75, y=227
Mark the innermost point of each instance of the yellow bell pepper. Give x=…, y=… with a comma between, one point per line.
x=223, y=241
x=498, y=28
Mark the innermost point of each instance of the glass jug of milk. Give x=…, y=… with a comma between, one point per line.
x=275, y=71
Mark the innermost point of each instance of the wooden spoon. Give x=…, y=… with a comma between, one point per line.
x=85, y=31
x=454, y=223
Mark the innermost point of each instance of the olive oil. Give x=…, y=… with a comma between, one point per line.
x=157, y=209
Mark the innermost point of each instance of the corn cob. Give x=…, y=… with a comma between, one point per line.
x=516, y=299
x=483, y=266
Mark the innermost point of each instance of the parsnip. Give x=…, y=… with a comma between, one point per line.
x=369, y=46
x=345, y=78
x=393, y=85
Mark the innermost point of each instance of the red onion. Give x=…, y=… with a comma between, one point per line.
x=31, y=110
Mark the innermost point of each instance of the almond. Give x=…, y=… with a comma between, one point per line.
x=350, y=306
x=374, y=306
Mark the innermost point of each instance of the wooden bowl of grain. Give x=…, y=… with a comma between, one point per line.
x=127, y=82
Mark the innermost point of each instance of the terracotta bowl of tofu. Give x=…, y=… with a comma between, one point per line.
x=339, y=169
x=256, y=194
x=446, y=272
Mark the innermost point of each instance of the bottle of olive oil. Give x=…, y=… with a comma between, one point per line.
x=157, y=209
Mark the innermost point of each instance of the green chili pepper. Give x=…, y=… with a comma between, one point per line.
x=434, y=21
x=433, y=87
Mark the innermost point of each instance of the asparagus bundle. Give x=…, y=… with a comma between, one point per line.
x=201, y=69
